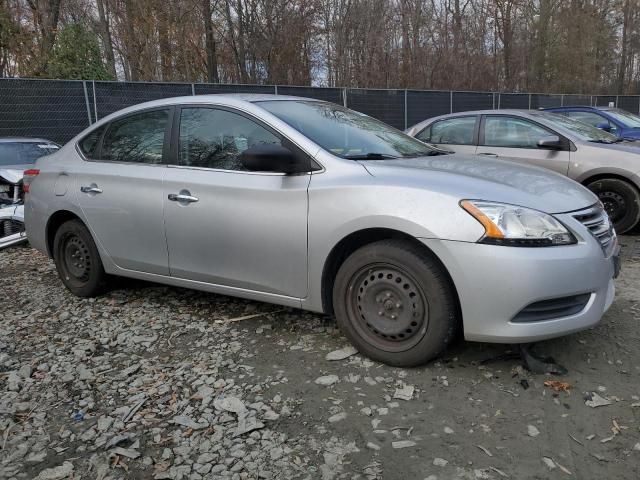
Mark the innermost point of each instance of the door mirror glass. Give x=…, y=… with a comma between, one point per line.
x=551, y=142
x=272, y=158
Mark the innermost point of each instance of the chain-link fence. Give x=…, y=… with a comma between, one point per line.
x=59, y=109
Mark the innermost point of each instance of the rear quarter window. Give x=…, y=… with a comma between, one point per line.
x=90, y=143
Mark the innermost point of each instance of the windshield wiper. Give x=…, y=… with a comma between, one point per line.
x=369, y=156
x=606, y=142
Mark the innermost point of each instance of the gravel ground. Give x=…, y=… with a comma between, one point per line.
x=165, y=383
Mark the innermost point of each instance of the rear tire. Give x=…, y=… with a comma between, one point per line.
x=621, y=201
x=395, y=303
x=78, y=261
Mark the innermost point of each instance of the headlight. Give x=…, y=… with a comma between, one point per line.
x=517, y=226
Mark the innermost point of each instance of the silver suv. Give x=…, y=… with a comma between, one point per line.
x=308, y=204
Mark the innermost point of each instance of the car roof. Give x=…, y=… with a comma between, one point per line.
x=231, y=98
x=571, y=107
x=24, y=140
x=222, y=99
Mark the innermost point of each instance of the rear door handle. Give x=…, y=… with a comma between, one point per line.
x=93, y=188
x=181, y=197
x=488, y=154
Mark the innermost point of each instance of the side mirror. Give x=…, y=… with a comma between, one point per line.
x=270, y=157
x=604, y=126
x=552, y=142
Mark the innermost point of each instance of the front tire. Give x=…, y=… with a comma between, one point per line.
x=621, y=201
x=77, y=260
x=395, y=303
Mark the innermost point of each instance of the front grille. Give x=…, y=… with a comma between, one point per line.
x=14, y=194
x=10, y=227
x=598, y=223
x=554, y=308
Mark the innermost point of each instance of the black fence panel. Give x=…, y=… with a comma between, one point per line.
x=463, y=101
x=539, y=100
x=113, y=96
x=212, y=88
x=385, y=105
x=604, y=100
x=630, y=103
x=60, y=109
x=422, y=105
x=513, y=100
x=319, y=93
x=51, y=109
x=576, y=100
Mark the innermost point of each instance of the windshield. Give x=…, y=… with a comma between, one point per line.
x=581, y=130
x=627, y=119
x=347, y=133
x=24, y=153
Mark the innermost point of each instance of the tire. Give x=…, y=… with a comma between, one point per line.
x=621, y=201
x=395, y=303
x=78, y=261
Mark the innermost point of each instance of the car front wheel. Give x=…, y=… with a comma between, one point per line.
x=621, y=200
x=395, y=303
x=77, y=260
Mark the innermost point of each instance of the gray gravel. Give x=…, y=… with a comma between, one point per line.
x=165, y=383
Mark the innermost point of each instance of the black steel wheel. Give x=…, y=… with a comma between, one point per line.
x=77, y=260
x=389, y=307
x=621, y=201
x=395, y=303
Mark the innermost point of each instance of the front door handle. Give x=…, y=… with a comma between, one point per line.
x=182, y=197
x=488, y=154
x=93, y=188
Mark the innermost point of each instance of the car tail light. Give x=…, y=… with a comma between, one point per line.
x=29, y=176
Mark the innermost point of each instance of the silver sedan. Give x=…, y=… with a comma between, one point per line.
x=308, y=204
x=608, y=165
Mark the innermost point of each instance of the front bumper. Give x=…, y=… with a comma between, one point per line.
x=495, y=283
x=12, y=229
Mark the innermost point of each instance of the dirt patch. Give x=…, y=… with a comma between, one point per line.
x=131, y=385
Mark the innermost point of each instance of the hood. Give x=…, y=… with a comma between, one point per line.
x=473, y=177
x=13, y=173
x=630, y=133
x=625, y=147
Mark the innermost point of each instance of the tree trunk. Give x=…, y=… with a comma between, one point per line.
x=210, y=43
x=622, y=66
x=107, y=41
x=164, y=42
x=132, y=54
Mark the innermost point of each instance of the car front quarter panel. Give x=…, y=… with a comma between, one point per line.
x=341, y=206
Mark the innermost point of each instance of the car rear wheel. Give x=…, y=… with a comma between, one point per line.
x=395, y=303
x=77, y=260
x=621, y=201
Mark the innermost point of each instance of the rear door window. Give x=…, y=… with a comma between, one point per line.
x=452, y=131
x=137, y=138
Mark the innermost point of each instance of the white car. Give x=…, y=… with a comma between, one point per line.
x=17, y=155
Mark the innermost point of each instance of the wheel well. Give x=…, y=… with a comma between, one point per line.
x=353, y=242
x=602, y=176
x=54, y=223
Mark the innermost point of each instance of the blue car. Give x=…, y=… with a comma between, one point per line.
x=614, y=120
